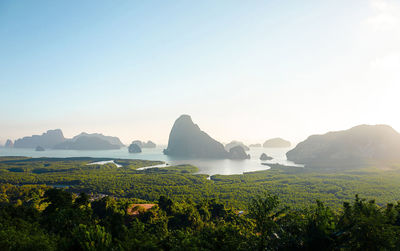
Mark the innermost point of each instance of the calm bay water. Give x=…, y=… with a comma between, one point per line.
x=206, y=166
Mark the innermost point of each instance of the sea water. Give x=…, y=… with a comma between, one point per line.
x=206, y=166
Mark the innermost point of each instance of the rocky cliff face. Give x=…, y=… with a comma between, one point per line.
x=47, y=140
x=187, y=140
x=357, y=146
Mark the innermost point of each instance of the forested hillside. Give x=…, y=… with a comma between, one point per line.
x=43, y=218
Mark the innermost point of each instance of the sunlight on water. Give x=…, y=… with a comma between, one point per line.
x=105, y=162
x=206, y=166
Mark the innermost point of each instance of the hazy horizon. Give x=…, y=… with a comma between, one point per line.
x=243, y=71
x=127, y=142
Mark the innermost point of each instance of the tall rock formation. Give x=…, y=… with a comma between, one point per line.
x=187, y=140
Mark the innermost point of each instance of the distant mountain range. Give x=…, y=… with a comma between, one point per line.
x=360, y=145
x=47, y=140
x=87, y=143
x=54, y=139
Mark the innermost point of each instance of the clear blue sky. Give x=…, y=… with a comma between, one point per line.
x=245, y=70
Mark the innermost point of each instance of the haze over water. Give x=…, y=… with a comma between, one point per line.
x=206, y=166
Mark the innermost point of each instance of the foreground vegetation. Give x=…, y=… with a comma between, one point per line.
x=295, y=187
x=41, y=218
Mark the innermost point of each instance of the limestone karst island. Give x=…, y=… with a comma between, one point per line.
x=199, y=125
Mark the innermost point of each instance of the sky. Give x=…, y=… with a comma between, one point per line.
x=244, y=70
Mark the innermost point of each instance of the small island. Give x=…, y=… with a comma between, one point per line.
x=276, y=143
x=265, y=157
x=134, y=148
x=149, y=144
x=87, y=143
x=144, y=144
x=9, y=144
x=238, y=152
x=236, y=143
x=39, y=149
